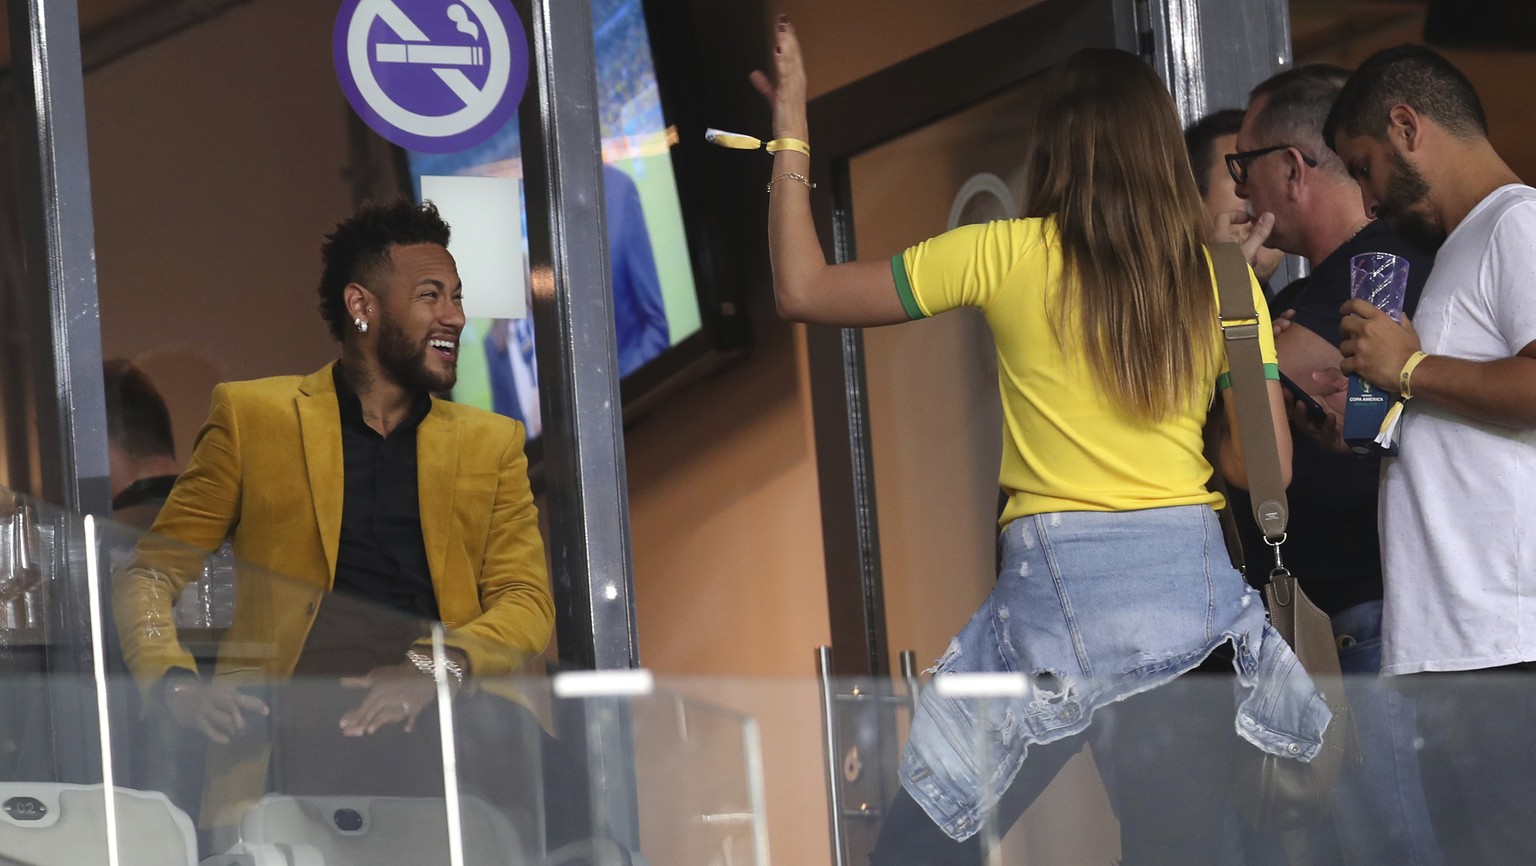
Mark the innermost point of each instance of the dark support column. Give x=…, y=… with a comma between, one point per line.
x=845, y=469
x=578, y=367
x=1212, y=53
x=584, y=470
x=59, y=238
x=59, y=301
x=844, y=463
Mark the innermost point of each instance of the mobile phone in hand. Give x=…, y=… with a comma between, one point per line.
x=1315, y=410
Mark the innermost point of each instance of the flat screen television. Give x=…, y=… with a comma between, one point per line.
x=672, y=318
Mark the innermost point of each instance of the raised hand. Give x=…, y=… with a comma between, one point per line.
x=1258, y=232
x=785, y=90
x=1329, y=431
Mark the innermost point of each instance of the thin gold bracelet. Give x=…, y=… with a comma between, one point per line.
x=790, y=175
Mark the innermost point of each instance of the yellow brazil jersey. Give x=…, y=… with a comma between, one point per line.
x=1066, y=446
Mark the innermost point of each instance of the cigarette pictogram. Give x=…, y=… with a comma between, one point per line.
x=429, y=55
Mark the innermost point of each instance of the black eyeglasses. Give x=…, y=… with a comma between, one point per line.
x=1237, y=163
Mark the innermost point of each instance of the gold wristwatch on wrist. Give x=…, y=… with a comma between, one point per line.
x=423, y=662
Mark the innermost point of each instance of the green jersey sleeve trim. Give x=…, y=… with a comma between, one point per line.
x=1271, y=372
x=904, y=288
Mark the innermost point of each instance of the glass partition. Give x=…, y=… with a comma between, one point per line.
x=244, y=717
x=295, y=727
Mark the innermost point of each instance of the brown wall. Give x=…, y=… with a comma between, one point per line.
x=218, y=159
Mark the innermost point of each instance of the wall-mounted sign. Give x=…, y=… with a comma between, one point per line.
x=432, y=75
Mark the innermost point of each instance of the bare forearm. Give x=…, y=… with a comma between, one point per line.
x=793, y=247
x=806, y=288
x=1499, y=392
x=1234, y=466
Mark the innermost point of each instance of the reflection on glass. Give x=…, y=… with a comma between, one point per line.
x=712, y=769
x=266, y=769
x=21, y=583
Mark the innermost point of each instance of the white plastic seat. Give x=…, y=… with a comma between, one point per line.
x=383, y=831
x=54, y=824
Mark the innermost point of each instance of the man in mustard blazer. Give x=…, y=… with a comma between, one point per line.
x=362, y=507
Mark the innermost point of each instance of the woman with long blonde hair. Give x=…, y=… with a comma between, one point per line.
x=1115, y=579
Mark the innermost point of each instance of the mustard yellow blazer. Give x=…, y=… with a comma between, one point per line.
x=267, y=466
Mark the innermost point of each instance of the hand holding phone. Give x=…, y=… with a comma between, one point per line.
x=1315, y=410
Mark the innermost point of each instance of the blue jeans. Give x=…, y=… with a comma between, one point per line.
x=1479, y=761
x=1164, y=756
x=1094, y=608
x=1381, y=817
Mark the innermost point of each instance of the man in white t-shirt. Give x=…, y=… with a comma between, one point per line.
x=1459, y=560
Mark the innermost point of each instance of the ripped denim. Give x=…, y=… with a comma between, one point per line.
x=1093, y=608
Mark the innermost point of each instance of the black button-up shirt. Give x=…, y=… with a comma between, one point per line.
x=381, y=557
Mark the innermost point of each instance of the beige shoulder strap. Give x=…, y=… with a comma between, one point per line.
x=1240, y=335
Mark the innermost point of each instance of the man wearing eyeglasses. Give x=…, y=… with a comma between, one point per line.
x=1207, y=140
x=1282, y=167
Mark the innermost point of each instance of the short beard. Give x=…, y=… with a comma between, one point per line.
x=1406, y=189
x=406, y=363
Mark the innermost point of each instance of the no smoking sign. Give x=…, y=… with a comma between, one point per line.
x=438, y=76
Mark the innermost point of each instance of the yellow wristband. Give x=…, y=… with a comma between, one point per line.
x=1404, y=378
x=733, y=140
x=794, y=144
x=738, y=141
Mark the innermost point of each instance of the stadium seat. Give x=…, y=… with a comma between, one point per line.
x=370, y=831
x=54, y=824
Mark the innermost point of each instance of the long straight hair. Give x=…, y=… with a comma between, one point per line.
x=1108, y=163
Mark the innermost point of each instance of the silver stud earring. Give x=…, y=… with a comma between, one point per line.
x=362, y=325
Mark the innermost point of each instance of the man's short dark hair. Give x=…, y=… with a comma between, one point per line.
x=1406, y=75
x=1200, y=141
x=138, y=422
x=1296, y=105
x=359, y=248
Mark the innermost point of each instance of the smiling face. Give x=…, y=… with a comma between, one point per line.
x=1391, y=189
x=421, y=314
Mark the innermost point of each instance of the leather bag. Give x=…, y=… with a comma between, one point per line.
x=1273, y=792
